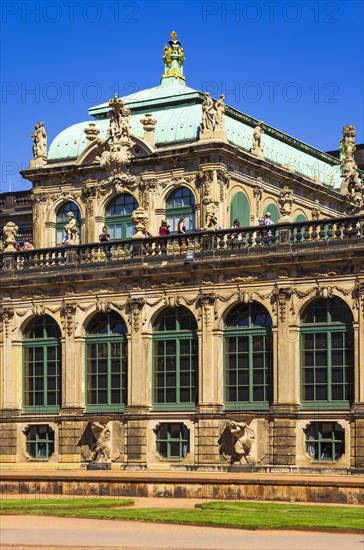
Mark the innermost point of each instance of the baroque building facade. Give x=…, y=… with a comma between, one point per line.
x=218, y=344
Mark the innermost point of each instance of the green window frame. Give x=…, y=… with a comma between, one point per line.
x=325, y=441
x=40, y=442
x=274, y=212
x=62, y=220
x=248, y=357
x=42, y=364
x=240, y=209
x=118, y=216
x=181, y=202
x=106, y=363
x=175, y=360
x=327, y=354
x=173, y=441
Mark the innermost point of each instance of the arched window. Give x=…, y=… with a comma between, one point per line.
x=274, y=212
x=327, y=354
x=248, y=357
x=42, y=365
x=300, y=218
x=175, y=347
x=240, y=209
x=118, y=216
x=106, y=362
x=62, y=219
x=181, y=203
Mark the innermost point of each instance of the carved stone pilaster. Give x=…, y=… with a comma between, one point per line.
x=68, y=312
x=358, y=296
x=134, y=308
x=285, y=202
x=258, y=194
x=206, y=301
x=147, y=188
x=6, y=316
x=281, y=296
x=89, y=192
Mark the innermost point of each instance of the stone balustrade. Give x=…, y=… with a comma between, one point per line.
x=225, y=242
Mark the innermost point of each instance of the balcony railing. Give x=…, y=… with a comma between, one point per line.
x=224, y=242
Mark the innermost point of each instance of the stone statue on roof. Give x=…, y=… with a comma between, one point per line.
x=220, y=109
x=39, y=137
x=208, y=113
x=257, y=145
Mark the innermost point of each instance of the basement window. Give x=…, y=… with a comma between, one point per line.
x=173, y=441
x=325, y=441
x=40, y=442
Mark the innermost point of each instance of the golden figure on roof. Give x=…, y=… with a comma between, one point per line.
x=173, y=58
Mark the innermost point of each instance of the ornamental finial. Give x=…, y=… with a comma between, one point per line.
x=173, y=58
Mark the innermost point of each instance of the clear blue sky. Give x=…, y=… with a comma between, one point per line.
x=296, y=65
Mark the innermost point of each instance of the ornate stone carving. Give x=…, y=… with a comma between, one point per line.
x=258, y=194
x=147, y=187
x=101, y=451
x=220, y=110
x=149, y=124
x=285, y=202
x=324, y=291
x=71, y=230
x=358, y=295
x=280, y=297
x=257, y=144
x=236, y=442
x=139, y=218
x=91, y=131
x=39, y=137
x=210, y=213
x=316, y=211
x=223, y=179
x=119, y=142
x=68, y=312
x=213, y=118
x=10, y=232
x=206, y=301
x=6, y=316
x=134, y=308
x=351, y=186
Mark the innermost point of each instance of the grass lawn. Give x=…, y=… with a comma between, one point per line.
x=244, y=515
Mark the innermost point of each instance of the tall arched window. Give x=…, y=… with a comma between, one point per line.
x=181, y=203
x=106, y=362
x=274, y=212
x=240, y=209
x=42, y=365
x=327, y=353
x=248, y=357
x=62, y=219
x=118, y=216
x=175, y=347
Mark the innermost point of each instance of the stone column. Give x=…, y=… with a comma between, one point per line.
x=92, y=225
x=285, y=383
x=139, y=388
x=210, y=405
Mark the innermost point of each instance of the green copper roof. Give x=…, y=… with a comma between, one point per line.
x=177, y=109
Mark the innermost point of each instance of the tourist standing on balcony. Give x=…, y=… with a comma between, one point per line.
x=104, y=235
x=236, y=225
x=164, y=229
x=268, y=221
